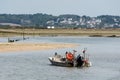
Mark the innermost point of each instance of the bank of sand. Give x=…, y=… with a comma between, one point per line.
x=12, y=47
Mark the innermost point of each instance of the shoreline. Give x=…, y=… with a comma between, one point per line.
x=61, y=32
x=14, y=47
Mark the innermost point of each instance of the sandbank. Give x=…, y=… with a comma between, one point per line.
x=12, y=47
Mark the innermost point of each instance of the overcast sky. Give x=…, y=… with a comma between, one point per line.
x=57, y=7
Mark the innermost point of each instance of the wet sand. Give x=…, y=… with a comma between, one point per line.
x=12, y=47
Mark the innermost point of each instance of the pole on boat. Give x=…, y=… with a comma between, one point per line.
x=84, y=53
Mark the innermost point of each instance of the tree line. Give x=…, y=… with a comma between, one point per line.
x=41, y=20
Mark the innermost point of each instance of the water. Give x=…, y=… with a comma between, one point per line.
x=104, y=54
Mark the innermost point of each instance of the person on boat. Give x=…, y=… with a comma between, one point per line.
x=55, y=53
x=79, y=60
x=69, y=56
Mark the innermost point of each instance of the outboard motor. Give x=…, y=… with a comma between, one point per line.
x=79, y=61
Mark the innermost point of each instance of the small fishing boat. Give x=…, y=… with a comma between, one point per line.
x=70, y=60
x=58, y=60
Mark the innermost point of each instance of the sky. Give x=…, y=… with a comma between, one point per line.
x=91, y=8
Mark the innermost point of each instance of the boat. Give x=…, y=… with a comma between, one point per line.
x=58, y=60
x=70, y=60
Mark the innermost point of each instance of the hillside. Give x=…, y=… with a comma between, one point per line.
x=40, y=20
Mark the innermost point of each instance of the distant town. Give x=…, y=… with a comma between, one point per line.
x=44, y=21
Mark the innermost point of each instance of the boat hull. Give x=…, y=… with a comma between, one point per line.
x=60, y=63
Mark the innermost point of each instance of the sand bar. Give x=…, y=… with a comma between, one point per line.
x=12, y=47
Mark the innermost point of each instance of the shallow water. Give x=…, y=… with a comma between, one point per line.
x=104, y=54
